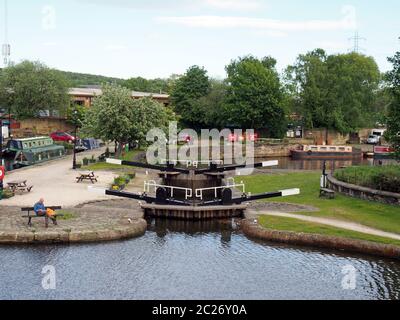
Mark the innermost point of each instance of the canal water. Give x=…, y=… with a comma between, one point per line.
x=187, y=260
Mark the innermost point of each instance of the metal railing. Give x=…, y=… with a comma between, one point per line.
x=230, y=184
x=153, y=184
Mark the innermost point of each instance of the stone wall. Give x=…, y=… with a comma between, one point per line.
x=267, y=151
x=39, y=127
x=363, y=192
x=253, y=230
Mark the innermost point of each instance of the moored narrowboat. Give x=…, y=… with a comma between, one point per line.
x=383, y=152
x=326, y=152
x=30, y=151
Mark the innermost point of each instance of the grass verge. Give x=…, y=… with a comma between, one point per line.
x=103, y=166
x=294, y=225
x=371, y=214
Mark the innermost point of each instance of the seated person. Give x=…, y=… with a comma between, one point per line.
x=41, y=211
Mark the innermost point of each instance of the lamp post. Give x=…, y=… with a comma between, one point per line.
x=75, y=138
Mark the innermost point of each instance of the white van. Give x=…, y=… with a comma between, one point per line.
x=378, y=132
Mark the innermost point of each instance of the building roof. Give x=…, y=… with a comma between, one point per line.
x=92, y=92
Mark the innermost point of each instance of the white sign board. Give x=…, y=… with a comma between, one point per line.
x=5, y=132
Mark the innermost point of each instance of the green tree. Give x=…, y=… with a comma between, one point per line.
x=30, y=88
x=393, y=119
x=255, y=97
x=110, y=117
x=115, y=116
x=187, y=89
x=212, y=107
x=335, y=92
x=305, y=82
x=148, y=114
x=76, y=115
x=353, y=83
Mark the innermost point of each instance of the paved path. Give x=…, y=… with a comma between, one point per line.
x=329, y=222
x=55, y=181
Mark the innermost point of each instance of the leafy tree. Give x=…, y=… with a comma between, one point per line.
x=353, y=82
x=115, y=116
x=76, y=115
x=30, y=88
x=306, y=84
x=148, y=114
x=335, y=92
x=393, y=119
x=212, y=112
x=255, y=95
x=187, y=89
x=110, y=117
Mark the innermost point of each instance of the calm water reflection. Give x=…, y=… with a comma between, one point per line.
x=177, y=260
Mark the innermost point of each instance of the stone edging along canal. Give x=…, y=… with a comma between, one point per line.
x=93, y=222
x=135, y=229
x=254, y=230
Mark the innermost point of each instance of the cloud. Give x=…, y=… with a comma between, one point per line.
x=234, y=4
x=115, y=47
x=180, y=4
x=348, y=21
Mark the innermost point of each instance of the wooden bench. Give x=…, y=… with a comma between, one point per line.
x=327, y=193
x=32, y=215
x=90, y=176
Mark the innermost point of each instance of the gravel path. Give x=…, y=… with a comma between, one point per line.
x=329, y=222
x=55, y=181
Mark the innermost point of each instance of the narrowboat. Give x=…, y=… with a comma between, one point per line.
x=382, y=152
x=30, y=151
x=326, y=152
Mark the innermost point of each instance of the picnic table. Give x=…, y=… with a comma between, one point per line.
x=89, y=176
x=19, y=185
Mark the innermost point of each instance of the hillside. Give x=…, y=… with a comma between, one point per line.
x=82, y=79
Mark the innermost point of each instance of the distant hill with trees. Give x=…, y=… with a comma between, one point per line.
x=135, y=84
x=75, y=79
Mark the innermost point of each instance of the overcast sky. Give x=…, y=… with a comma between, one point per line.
x=156, y=38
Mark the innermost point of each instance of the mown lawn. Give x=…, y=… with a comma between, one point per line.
x=372, y=214
x=294, y=225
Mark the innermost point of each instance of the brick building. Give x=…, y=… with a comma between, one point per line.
x=45, y=124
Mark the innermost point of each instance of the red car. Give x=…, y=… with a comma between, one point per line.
x=63, y=137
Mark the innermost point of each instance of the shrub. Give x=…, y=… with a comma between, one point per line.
x=385, y=178
x=7, y=194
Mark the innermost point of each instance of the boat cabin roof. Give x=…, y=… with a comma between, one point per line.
x=328, y=148
x=32, y=139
